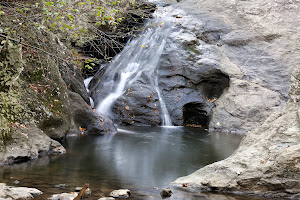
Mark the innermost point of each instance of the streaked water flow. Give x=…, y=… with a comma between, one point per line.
x=139, y=58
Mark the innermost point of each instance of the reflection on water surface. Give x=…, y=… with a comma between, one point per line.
x=137, y=158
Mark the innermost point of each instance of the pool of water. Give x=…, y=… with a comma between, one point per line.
x=135, y=158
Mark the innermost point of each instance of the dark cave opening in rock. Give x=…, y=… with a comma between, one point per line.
x=195, y=115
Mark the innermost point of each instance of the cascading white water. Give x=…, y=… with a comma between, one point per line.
x=86, y=84
x=140, y=56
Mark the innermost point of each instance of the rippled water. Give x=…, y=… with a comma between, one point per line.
x=137, y=158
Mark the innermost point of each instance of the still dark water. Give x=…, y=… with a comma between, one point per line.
x=136, y=158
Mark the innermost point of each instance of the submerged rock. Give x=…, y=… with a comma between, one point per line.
x=122, y=193
x=63, y=196
x=61, y=185
x=9, y=192
x=107, y=198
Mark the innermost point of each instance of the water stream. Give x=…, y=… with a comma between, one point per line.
x=139, y=58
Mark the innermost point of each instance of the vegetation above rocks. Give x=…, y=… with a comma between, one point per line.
x=42, y=40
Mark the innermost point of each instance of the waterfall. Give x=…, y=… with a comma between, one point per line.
x=139, y=57
x=86, y=84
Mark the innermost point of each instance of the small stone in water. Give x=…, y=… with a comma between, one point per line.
x=16, y=182
x=61, y=186
x=122, y=193
x=63, y=196
x=166, y=192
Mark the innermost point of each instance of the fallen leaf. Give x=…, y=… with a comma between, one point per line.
x=82, y=129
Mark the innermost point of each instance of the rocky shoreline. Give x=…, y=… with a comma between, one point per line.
x=267, y=160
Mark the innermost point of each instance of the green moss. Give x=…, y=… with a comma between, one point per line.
x=193, y=49
x=10, y=69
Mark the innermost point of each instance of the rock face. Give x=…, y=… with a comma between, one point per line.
x=186, y=73
x=267, y=161
x=218, y=65
x=257, y=55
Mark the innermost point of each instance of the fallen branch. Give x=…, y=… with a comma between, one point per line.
x=86, y=186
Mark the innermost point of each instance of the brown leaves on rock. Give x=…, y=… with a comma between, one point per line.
x=81, y=129
x=40, y=89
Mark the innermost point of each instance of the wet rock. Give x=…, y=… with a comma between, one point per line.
x=138, y=106
x=63, y=196
x=166, y=192
x=9, y=192
x=86, y=117
x=122, y=193
x=188, y=72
